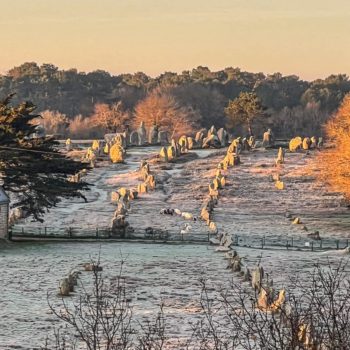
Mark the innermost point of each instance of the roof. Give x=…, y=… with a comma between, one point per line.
x=4, y=199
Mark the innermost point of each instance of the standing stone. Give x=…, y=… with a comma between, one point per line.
x=295, y=144
x=153, y=135
x=183, y=144
x=171, y=152
x=313, y=142
x=320, y=142
x=212, y=131
x=163, y=138
x=223, y=137
x=163, y=154
x=95, y=145
x=280, y=156
x=142, y=188
x=126, y=135
x=115, y=196
x=119, y=225
x=142, y=134
x=251, y=141
x=151, y=182
x=268, y=139
x=279, y=185
x=190, y=143
x=134, y=138
x=176, y=147
x=116, y=153
x=257, y=277
x=200, y=135
x=68, y=144
x=120, y=140
x=306, y=143
x=205, y=215
x=64, y=288
x=211, y=141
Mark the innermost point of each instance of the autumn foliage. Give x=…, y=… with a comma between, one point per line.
x=335, y=161
x=161, y=108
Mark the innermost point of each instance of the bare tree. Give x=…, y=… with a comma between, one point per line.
x=315, y=315
x=101, y=318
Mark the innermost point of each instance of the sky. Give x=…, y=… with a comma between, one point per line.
x=309, y=38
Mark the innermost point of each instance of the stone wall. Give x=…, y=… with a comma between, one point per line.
x=4, y=211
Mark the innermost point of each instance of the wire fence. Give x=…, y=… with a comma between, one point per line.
x=105, y=233
x=156, y=235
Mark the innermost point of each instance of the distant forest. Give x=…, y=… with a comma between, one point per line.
x=293, y=106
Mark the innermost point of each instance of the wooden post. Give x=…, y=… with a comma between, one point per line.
x=45, y=231
x=292, y=242
x=312, y=246
x=337, y=243
x=96, y=232
x=287, y=245
x=321, y=244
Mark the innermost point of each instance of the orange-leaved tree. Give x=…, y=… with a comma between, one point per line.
x=335, y=161
x=160, y=107
x=111, y=118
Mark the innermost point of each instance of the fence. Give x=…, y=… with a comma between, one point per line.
x=104, y=233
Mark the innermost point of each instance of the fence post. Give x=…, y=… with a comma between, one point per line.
x=312, y=246
x=262, y=243
x=96, y=232
x=208, y=236
x=287, y=245
x=337, y=243
x=321, y=244
x=22, y=230
x=70, y=232
x=292, y=242
x=45, y=231
x=347, y=243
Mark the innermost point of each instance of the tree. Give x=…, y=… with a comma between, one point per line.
x=31, y=167
x=160, y=107
x=334, y=163
x=245, y=109
x=110, y=118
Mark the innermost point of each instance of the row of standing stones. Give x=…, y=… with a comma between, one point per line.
x=296, y=144
x=266, y=300
x=122, y=198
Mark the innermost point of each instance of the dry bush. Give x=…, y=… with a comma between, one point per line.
x=53, y=122
x=299, y=120
x=334, y=162
x=84, y=128
x=160, y=107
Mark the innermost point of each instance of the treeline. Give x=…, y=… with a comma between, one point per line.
x=294, y=106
